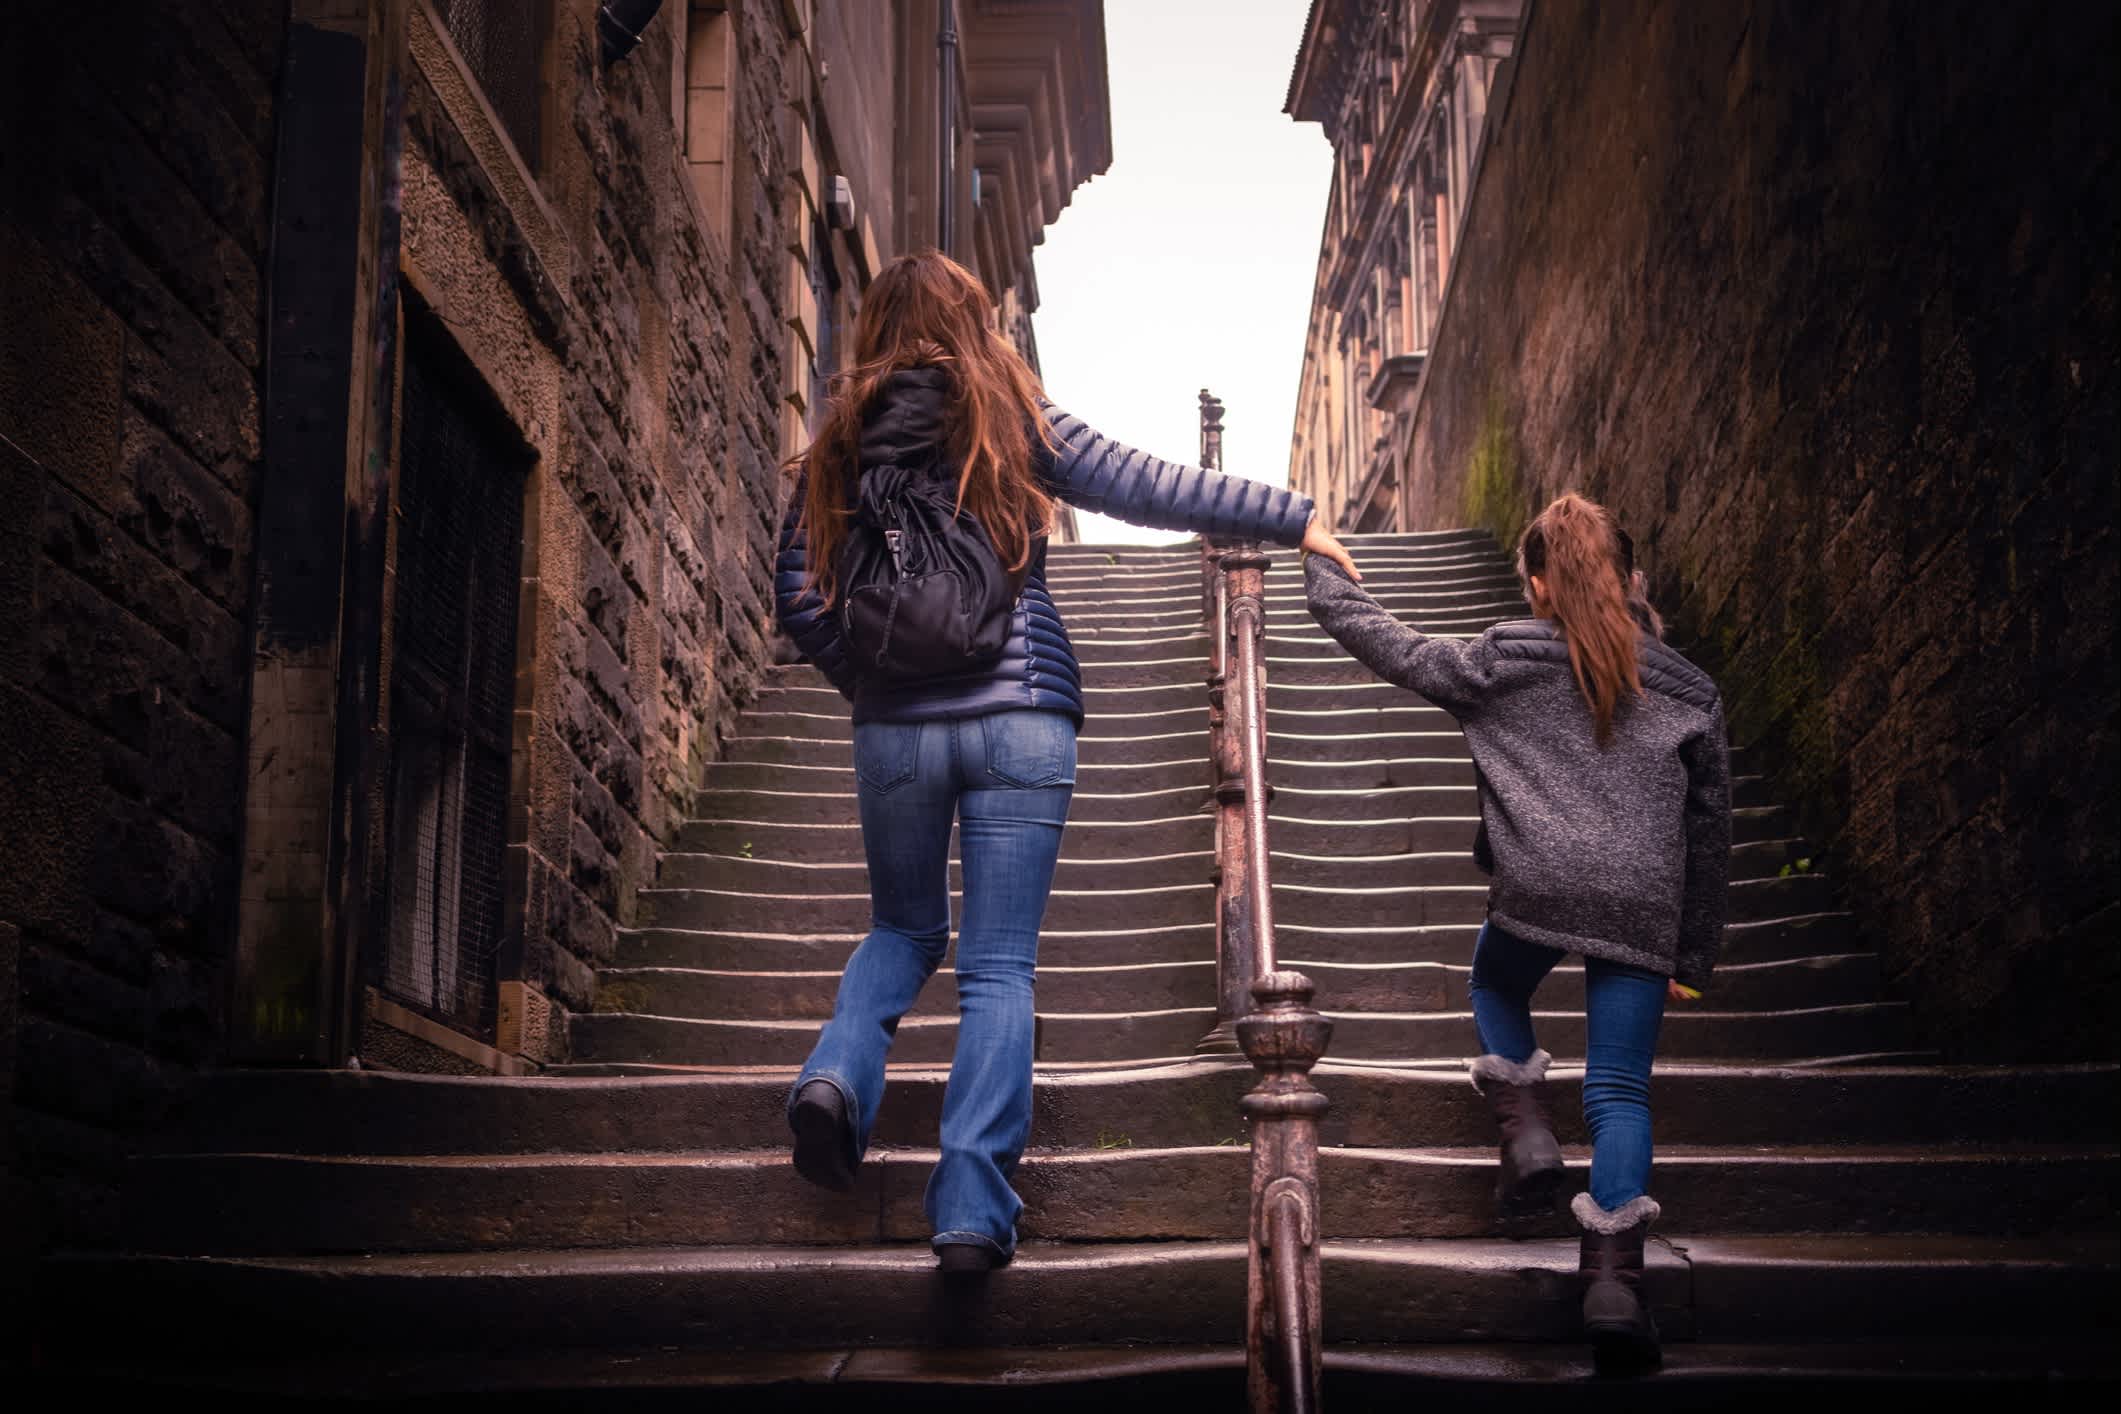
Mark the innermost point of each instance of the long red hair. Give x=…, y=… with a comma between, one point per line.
x=926, y=310
x=1577, y=549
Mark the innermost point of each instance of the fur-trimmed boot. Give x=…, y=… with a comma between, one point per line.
x=1532, y=1173
x=1616, y=1309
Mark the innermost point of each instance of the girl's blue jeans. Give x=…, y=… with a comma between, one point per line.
x=1625, y=1007
x=1006, y=778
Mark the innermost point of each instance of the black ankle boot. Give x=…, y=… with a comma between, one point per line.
x=1532, y=1172
x=1616, y=1308
x=966, y=1258
x=824, y=1136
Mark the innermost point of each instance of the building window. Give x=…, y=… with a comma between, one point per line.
x=500, y=41
x=825, y=290
x=708, y=55
x=458, y=563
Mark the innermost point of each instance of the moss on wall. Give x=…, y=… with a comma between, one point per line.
x=1493, y=494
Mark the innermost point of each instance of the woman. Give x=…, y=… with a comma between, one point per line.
x=1606, y=830
x=935, y=388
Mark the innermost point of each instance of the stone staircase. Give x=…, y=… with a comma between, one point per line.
x=1838, y=1204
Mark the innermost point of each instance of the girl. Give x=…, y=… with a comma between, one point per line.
x=1604, y=788
x=935, y=388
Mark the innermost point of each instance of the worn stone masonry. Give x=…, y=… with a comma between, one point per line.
x=633, y=348
x=132, y=239
x=225, y=226
x=640, y=355
x=1823, y=304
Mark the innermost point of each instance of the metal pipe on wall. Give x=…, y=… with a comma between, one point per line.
x=946, y=122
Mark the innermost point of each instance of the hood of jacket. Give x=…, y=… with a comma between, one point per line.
x=905, y=424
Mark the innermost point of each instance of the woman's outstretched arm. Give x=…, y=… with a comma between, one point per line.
x=1089, y=470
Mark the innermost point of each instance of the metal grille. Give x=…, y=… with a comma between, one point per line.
x=452, y=693
x=499, y=40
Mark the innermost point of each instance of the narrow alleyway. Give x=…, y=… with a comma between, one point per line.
x=1836, y=1202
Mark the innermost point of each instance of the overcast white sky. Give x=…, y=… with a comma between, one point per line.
x=1189, y=264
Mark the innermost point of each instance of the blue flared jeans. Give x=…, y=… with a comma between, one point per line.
x=1006, y=778
x=1624, y=1009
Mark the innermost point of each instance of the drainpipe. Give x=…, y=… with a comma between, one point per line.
x=946, y=113
x=620, y=23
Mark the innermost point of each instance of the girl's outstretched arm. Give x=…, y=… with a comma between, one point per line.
x=1452, y=674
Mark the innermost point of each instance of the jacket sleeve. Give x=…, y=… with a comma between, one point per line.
x=1087, y=469
x=801, y=611
x=1708, y=850
x=1452, y=674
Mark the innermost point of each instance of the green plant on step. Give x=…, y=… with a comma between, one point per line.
x=1801, y=866
x=1112, y=1139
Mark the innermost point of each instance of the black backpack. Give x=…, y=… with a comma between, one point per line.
x=923, y=592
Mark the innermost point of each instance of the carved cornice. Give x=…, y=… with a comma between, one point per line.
x=1041, y=114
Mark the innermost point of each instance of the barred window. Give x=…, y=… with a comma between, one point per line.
x=500, y=41
x=452, y=687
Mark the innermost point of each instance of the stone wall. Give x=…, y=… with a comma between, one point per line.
x=1821, y=300
x=638, y=355
x=132, y=240
x=634, y=349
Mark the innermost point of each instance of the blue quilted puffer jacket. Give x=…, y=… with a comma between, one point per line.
x=906, y=426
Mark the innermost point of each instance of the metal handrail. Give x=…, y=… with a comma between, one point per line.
x=1268, y=1010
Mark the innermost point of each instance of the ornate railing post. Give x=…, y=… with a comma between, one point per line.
x=1281, y=1035
x=1233, y=943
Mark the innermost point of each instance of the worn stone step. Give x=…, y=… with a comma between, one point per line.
x=1840, y=1288
x=290, y=1204
x=1805, y=1034
x=1189, y=546
x=1094, y=777
x=764, y=875
x=828, y=721
x=1176, y=574
x=950, y=1378
x=766, y=988
x=1089, y=806
x=1770, y=940
x=1180, y=695
x=1284, y=748
x=1107, y=906
x=1184, y=690
x=1407, y=594
x=1188, y=1103
x=1289, y=622
x=1281, y=564
x=1187, y=551
x=839, y=839
x=1180, y=584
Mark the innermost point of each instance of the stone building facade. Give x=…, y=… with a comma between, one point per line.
x=393, y=395
x=1402, y=90
x=1843, y=359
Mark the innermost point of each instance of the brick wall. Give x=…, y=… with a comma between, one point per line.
x=135, y=156
x=1821, y=300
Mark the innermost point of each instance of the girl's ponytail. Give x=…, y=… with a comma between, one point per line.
x=1574, y=546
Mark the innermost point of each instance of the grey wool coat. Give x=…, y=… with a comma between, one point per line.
x=1621, y=852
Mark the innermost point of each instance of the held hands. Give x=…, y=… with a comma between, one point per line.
x=1319, y=541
